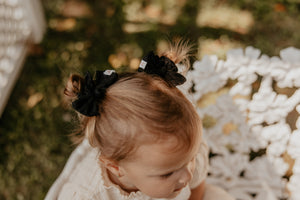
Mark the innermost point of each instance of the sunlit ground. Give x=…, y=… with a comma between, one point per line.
x=90, y=35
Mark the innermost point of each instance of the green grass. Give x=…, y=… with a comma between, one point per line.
x=34, y=140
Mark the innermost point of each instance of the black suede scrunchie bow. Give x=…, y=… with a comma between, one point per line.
x=93, y=92
x=163, y=67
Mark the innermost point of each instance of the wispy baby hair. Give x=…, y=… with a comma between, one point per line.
x=180, y=51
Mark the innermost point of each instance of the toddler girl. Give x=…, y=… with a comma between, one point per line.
x=144, y=137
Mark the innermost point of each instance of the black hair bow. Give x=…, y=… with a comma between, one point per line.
x=93, y=92
x=163, y=67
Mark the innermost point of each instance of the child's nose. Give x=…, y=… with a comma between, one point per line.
x=187, y=175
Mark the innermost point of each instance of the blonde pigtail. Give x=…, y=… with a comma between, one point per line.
x=180, y=52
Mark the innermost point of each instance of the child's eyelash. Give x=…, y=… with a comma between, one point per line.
x=166, y=175
x=170, y=174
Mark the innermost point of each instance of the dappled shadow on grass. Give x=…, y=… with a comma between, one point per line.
x=33, y=140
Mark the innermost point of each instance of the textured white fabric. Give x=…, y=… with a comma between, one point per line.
x=84, y=179
x=250, y=106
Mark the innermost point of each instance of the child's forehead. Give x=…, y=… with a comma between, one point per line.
x=167, y=147
x=160, y=157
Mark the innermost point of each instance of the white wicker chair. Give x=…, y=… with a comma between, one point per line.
x=21, y=23
x=249, y=104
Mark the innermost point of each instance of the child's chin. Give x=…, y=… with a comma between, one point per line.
x=169, y=196
x=173, y=194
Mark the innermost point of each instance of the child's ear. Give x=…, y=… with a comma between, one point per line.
x=111, y=165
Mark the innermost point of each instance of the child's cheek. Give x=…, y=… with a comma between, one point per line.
x=193, y=166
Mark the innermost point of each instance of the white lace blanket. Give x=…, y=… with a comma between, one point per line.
x=249, y=104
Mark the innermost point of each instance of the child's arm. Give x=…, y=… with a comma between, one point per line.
x=198, y=192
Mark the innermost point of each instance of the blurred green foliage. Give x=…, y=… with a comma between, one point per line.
x=34, y=139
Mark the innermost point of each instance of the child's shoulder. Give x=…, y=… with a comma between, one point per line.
x=81, y=176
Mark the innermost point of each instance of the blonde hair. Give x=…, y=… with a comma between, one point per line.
x=139, y=108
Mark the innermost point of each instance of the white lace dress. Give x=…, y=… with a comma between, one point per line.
x=83, y=178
